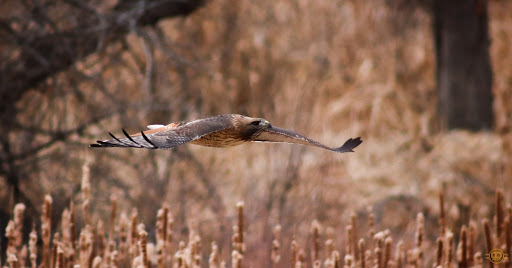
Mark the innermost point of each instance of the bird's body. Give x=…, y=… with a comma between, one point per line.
x=217, y=131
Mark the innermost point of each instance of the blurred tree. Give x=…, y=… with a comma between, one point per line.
x=38, y=107
x=464, y=75
x=37, y=43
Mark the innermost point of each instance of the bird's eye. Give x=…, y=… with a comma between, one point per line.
x=255, y=123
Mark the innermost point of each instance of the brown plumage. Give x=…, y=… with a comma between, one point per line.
x=217, y=131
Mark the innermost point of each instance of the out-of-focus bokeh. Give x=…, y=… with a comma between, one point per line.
x=328, y=69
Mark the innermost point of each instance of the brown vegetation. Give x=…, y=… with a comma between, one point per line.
x=95, y=248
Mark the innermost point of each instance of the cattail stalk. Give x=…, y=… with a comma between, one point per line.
x=56, y=242
x=133, y=238
x=348, y=247
x=400, y=254
x=353, y=222
x=378, y=251
x=113, y=217
x=161, y=226
x=276, y=246
x=508, y=239
x=169, y=235
x=449, y=249
x=439, y=252
x=100, y=239
x=59, y=263
x=10, y=233
x=488, y=235
x=12, y=260
x=471, y=242
x=362, y=251
x=86, y=192
x=336, y=259
x=46, y=224
x=123, y=239
x=236, y=259
x=85, y=246
x=240, y=209
x=315, y=226
x=420, y=230
x=293, y=253
x=442, y=217
x=301, y=259
x=19, y=210
x=213, y=261
x=499, y=212
x=371, y=223
x=72, y=226
x=143, y=246
x=463, y=263
x=387, y=251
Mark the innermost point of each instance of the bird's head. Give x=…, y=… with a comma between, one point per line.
x=260, y=123
x=252, y=127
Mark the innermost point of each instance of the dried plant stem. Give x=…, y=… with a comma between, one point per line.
x=420, y=230
x=508, y=239
x=362, y=251
x=275, y=256
x=19, y=210
x=161, y=227
x=348, y=247
x=143, y=246
x=56, y=242
x=32, y=247
x=353, y=222
x=12, y=260
x=439, y=252
x=240, y=209
x=113, y=216
x=378, y=251
x=86, y=192
x=315, y=227
x=449, y=249
x=371, y=222
x=463, y=263
x=387, y=251
x=72, y=226
x=442, y=217
x=400, y=254
x=213, y=261
x=46, y=230
x=488, y=235
x=471, y=242
x=293, y=253
x=336, y=259
x=236, y=259
x=10, y=233
x=60, y=258
x=123, y=239
x=499, y=213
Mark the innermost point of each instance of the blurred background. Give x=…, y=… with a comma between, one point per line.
x=426, y=84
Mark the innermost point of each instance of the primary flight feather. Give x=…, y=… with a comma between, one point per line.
x=217, y=131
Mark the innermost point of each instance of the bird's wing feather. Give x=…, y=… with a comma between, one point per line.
x=275, y=134
x=169, y=136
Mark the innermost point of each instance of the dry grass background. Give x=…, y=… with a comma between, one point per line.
x=328, y=69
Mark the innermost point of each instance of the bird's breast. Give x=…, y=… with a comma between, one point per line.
x=223, y=138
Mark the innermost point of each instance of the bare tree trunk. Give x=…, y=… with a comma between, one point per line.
x=464, y=75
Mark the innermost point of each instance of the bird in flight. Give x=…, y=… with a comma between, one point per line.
x=216, y=131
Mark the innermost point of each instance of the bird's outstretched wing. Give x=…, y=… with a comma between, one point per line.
x=275, y=134
x=169, y=136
